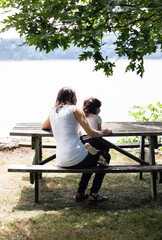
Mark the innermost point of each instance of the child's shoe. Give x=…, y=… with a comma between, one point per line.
x=102, y=161
x=90, y=149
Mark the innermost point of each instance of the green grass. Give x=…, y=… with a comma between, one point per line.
x=129, y=212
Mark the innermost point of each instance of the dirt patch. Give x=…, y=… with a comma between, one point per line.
x=16, y=153
x=8, y=143
x=9, y=149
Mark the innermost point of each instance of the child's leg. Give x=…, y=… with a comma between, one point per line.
x=106, y=155
x=86, y=141
x=99, y=145
x=90, y=149
x=104, y=149
x=102, y=161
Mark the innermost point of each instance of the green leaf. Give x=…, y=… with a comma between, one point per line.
x=85, y=55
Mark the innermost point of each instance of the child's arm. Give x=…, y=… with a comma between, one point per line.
x=99, y=126
x=99, y=122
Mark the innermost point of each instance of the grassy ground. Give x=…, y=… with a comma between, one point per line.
x=129, y=212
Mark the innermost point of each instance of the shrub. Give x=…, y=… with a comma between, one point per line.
x=144, y=114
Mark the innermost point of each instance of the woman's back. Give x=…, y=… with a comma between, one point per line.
x=69, y=148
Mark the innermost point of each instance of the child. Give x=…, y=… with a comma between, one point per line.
x=91, y=108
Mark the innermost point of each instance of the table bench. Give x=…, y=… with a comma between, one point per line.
x=37, y=169
x=121, y=145
x=119, y=129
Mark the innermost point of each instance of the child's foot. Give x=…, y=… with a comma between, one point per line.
x=102, y=161
x=90, y=149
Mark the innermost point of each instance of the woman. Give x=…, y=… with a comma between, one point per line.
x=64, y=121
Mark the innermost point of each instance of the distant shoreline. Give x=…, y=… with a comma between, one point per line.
x=13, y=49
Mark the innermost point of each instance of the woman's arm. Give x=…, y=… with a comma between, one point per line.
x=80, y=116
x=47, y=125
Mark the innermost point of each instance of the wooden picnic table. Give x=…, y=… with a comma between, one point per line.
x=143, y=129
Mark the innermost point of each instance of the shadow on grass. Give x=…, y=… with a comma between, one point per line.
x=124, y=191
x=73, y=223
x=128, y=214
x=70, y=224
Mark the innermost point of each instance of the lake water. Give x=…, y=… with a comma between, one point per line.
x=28, y=88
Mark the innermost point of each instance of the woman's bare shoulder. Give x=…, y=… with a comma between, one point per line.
x=78, y=111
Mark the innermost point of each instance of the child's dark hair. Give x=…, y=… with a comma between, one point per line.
x=90, y=105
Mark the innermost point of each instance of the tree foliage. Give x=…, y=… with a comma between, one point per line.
x=50, y=24
x=150, y=113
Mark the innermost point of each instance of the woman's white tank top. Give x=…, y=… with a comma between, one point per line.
x=65, y=127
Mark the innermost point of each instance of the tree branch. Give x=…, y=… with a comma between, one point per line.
x=138, y=20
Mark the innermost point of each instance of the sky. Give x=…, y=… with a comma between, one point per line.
x=10, y=33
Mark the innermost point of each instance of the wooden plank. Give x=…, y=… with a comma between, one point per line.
x=28, y=133
x=48, y=159
x=53, y=145
x=121, y=145
x=110, y=169
x=118, y=129
x=44, y=145
x=134, y=128
x=111, y=145
x=136, y=145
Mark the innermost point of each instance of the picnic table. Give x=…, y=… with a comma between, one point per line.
x=143, y=129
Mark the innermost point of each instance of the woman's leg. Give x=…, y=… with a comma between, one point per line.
x=84, y=182
x=97, y=182
x=89, y=162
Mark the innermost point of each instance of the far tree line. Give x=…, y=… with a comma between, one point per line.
x=13, y=49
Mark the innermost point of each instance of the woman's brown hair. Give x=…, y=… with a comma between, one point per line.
x=66, y=96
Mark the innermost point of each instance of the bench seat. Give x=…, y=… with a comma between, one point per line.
x=110, y=169
x=121, y=145
x=36, y=170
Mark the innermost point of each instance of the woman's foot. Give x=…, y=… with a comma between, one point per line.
x=97, y=197
x=81, y=196
x=90, y=149
x=102, y=161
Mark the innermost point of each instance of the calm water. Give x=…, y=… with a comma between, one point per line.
x=28, y=88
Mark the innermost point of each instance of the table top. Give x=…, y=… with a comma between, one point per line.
x=118, y=129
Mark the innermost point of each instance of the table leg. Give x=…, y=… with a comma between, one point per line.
x=36, y=187
x=38, y=158
x=34, y=177
x=142, y=152
x=32, y=174
x=40, y=152
x=152, y=162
